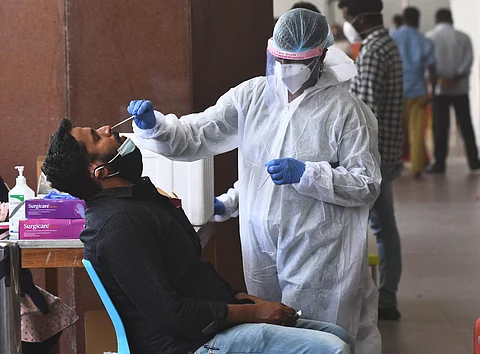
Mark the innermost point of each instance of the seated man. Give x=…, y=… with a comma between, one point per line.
x=147, y=255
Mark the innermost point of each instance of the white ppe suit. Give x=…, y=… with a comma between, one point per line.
x=303, y=244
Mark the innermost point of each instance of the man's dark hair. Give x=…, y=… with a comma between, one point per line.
x=444, y=15
x=66, y=163
x=411, y=16
x=305, y=5
x=398, y=20
x=357, y=7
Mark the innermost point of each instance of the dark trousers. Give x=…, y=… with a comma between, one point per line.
x=384, y=226
x=441, y=127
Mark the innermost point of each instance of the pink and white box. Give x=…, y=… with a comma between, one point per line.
x=51, y=229
x=55, y=209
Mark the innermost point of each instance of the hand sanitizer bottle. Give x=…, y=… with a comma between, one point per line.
x=16, y=199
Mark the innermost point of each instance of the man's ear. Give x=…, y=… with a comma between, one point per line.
x=97, y=173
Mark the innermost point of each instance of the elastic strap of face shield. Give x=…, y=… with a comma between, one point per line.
x=312, y=53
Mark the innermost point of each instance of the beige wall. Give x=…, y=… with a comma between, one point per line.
x=32, y=85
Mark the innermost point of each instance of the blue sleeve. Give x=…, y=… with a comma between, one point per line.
x=429, y=53
x=394, y=36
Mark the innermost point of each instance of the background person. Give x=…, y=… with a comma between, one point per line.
x=340, y=41
x=454, y=60
x=418, y=57
x=305, y=5
x=397, y=21
x=379, y=84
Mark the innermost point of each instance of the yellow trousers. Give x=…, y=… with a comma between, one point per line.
x=414, y=121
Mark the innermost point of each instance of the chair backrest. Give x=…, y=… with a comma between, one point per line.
x=122, y=341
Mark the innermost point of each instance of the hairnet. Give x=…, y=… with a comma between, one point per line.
x=299, y=30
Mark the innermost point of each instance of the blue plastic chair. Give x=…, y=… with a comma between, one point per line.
x=122, y=342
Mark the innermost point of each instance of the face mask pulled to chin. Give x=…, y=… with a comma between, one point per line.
x=128, y=161
x=130, y=166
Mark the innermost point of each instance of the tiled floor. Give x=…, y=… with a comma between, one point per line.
x=439, y=295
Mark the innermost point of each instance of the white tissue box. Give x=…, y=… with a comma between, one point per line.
x=192, y=182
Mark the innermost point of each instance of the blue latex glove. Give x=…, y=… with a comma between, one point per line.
x=218, y=207
x=143, y=112
x=285, y=170
x=58, y=195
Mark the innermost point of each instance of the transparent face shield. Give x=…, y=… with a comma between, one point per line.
x=287, y=77
x=276, y=92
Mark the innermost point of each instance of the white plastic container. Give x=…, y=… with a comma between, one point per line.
x=18, y=195
x=192, y=182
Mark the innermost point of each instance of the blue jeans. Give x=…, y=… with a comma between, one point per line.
x=384, y=227
x=309, y=337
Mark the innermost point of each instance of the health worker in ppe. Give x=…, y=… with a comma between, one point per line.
x=308, y=172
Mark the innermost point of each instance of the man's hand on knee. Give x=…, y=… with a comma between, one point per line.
x=262, y=312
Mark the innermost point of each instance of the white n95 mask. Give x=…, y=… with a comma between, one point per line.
x=293, y=75
x=351, y=33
